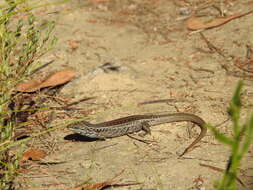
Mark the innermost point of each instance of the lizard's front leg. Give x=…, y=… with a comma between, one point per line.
x=146, y=128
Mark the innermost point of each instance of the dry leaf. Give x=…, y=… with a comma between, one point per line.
x=54, y=79
x=33, y=154
x=58, y=78
x=197, y=24
x=73, y=44
x=29, y=86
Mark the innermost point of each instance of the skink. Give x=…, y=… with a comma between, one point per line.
x=135, y=123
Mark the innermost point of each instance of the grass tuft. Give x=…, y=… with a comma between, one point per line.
x=22, y=42
x=239, y=143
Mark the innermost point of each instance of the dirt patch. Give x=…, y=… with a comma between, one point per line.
x=127, y=52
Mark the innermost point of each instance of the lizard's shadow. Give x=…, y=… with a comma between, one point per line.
x=78, y=137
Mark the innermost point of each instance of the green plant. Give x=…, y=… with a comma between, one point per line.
x=239, y=143
x=22, y=42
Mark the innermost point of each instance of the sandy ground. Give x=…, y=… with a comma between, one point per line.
x=152, y=56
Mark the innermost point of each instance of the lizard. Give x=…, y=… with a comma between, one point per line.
x=135, y=123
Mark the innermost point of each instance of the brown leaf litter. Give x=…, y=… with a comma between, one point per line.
x=55, y=79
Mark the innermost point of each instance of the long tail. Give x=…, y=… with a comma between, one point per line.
x=194, y=119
